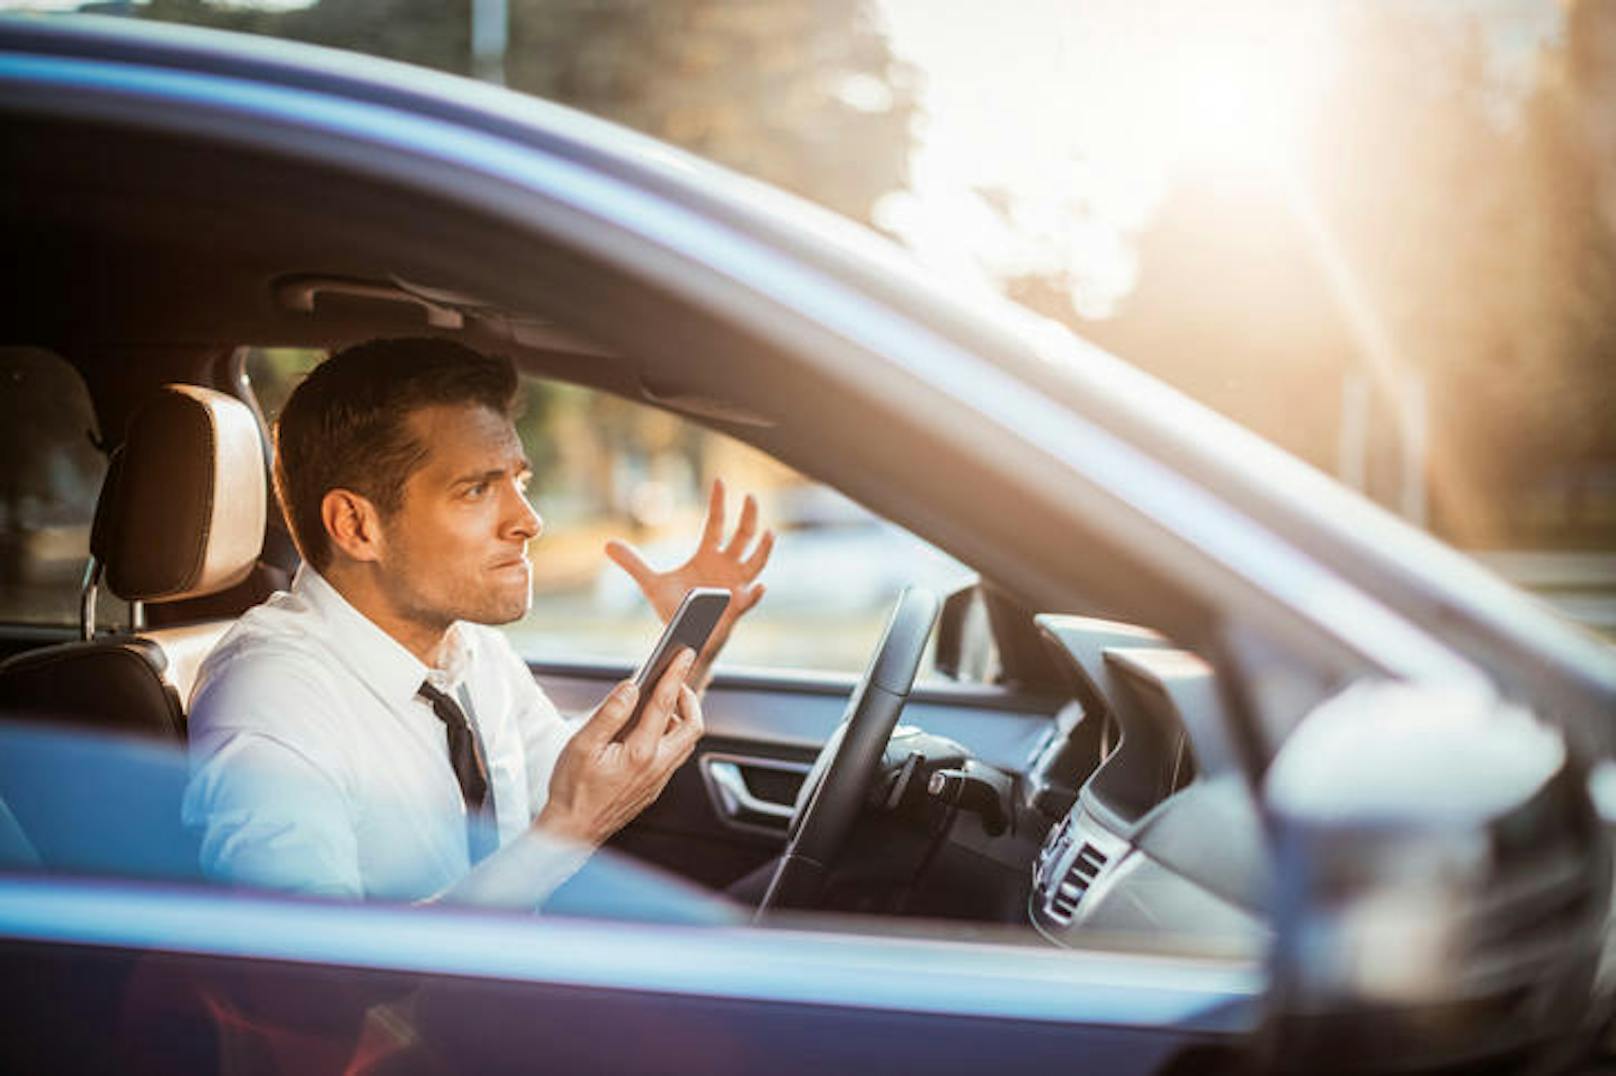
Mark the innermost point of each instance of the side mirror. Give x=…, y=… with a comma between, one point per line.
x=985, y=637
x=964, y=649
x=1443, y=883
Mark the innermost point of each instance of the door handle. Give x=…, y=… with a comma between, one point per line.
x=734, y=800
x=736, y=797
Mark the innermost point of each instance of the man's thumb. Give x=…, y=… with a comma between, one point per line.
x=612, y=714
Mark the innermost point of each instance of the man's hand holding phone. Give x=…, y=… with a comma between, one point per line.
x=620, y=760
x=605, y=777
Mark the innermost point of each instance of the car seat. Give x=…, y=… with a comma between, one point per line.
x=181, y=515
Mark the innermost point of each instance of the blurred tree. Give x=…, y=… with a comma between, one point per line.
x=432, y=33
x=1568, y=330
x=1231, y=307
x=806, y=96
x=1418, y=179
x=1471, y=231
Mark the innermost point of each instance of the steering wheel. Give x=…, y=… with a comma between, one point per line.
x=835, y=789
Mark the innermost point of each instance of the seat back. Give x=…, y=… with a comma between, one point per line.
x=181, y=515
x=116, y=684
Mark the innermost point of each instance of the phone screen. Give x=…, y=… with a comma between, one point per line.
x=691, y=625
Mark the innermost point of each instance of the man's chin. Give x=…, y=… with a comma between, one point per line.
x=504, y=610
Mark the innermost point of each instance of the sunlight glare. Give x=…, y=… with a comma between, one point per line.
x=1051, y=130
x=1229, y=86
x=1225, y=116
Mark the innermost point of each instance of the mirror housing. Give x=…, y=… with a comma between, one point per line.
x=985, y=637
x=964, y=649
x=1443, y=885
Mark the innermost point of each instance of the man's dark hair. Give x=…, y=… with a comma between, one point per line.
x=346, y=426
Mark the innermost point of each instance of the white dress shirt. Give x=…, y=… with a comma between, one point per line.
x=316, y=767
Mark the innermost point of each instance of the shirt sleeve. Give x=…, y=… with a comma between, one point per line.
x=265, y=796
x=521, y=875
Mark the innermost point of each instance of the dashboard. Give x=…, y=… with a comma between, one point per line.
x=1161, y=842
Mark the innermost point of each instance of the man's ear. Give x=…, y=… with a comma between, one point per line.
x=353, y=524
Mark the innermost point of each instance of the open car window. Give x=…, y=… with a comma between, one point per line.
x=605, y=468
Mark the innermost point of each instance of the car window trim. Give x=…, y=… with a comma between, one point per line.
x=982, y=979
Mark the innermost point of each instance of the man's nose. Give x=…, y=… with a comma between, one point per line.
x=523, y=520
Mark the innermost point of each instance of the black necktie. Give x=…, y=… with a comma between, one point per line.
x=470, y=768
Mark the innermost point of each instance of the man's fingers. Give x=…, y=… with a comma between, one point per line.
x=611, y=715
x=658, y=712
x=628, y=558
x=753, y=564
x=690, y=713
x=745, y=528
x=683, y=735
x=713, y=528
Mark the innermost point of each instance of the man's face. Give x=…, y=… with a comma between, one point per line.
x=456, y=549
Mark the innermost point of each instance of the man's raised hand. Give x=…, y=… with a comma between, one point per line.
x=733, y=565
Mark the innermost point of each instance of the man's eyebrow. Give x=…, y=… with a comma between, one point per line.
x=519, y=468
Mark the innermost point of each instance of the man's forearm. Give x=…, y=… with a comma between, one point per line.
x=522, y=874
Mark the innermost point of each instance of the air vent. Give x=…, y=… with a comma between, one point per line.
x=1079, y=876
x=1054, y=845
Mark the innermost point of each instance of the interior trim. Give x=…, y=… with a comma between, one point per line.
x=815, y=682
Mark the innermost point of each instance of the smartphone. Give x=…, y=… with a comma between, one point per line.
x=692, y=623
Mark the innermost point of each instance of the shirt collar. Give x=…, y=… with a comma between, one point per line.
x=377, y=658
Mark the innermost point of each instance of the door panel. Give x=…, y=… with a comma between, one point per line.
x=783, y=717
x=685, y=832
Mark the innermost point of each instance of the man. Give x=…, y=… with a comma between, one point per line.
x=366, y=734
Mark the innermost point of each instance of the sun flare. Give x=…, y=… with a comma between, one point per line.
x=1235, y=94
x=1053, y=129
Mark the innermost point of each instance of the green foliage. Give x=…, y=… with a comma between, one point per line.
x=432, y=33
x=806, y=96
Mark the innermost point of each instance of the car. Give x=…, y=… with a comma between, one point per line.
x=1224, y=768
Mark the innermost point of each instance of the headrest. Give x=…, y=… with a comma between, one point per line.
x=182, y=509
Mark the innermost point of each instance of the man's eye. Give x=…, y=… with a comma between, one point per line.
x=477, y=489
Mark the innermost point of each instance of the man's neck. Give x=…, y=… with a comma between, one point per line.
x=362, y=589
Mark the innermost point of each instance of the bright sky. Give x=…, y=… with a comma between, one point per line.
x=1052, y=127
